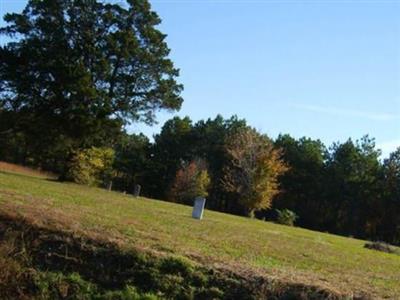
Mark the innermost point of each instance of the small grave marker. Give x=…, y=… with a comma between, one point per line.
x=198, y=208
x=136, y=191
x=109, y=185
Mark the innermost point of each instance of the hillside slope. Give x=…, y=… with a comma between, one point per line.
x=235, y=245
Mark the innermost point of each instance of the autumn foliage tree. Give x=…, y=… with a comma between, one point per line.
x=191, y=181
x=253, y=168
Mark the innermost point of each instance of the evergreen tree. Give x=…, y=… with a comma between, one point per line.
x=353, y=184
x=79, y=70
x=302, y=185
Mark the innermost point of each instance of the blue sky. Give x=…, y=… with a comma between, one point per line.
x=322, y=69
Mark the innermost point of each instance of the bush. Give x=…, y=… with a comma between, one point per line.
x=91, y=166
x=381, y=246
x=286, y=217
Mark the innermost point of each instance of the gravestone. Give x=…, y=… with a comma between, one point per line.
x=136, y=191
x=198, y=208
x=109, y=185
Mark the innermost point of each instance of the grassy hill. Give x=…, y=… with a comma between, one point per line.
x=228, y=253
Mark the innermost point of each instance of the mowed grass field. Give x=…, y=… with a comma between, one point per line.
x=219, y=240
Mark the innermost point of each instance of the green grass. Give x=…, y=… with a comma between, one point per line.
x=222, y=240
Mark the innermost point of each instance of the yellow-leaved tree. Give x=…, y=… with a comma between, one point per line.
x=254, y=165
x=92, y=166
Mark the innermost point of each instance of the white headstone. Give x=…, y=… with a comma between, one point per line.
x=198, y=208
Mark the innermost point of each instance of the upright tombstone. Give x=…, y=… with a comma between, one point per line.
x=109, y=185
x=198, y=208
x=136, y=191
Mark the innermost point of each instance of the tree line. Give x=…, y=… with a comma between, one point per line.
x=344, y=189
x=75, y=73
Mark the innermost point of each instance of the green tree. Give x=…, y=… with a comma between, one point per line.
x=79, y=70
x=303, y=184
x=353, y=183
x=251, y=175
x=388, y=212
x=131, y=162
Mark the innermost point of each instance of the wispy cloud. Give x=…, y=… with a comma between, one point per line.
x=334, y=111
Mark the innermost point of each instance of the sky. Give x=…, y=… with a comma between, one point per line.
x=322, y=69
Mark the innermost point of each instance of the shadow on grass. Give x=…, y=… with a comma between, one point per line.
x=109, y=268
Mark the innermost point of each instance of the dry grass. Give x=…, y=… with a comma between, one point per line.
x=240, y=244
x=4, y=166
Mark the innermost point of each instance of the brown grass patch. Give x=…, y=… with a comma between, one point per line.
x=8, y=167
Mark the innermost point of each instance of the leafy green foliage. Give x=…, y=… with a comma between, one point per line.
x=387, y=206
x=286, y=217
x=92, y=166
x=57, y=285
x=132, y=162
x=345, y=189
x=353, y=181
x=75, y=72
x=303, y=185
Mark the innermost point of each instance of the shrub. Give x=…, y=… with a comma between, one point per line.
x=381, y=246
x=91, y=166
x=172, y=265
x=286, y=217
x=128, y=293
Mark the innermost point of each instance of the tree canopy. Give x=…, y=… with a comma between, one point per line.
x=76, y=71
x=253, y=168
